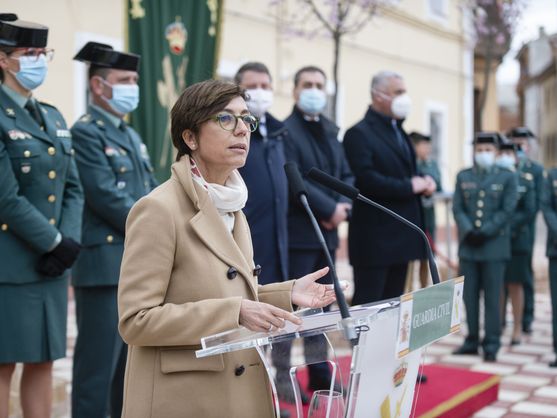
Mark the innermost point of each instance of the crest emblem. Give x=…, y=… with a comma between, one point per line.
x=176, y=35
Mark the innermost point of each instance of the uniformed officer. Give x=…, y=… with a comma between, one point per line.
x=549, y=209
x=426, y=166
x=517, y=268
x=484, y=199
x=522, y=137
x=41, y=203
x=116, y=172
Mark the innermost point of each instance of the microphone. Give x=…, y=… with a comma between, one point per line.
x=353, y=193
x=298, y=189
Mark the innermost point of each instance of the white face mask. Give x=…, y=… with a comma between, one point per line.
x=259, y=101
x=401, y=106
x=484, y=159
x=312, y=101
x=506, y=161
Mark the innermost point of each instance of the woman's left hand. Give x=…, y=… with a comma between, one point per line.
x=308, y=294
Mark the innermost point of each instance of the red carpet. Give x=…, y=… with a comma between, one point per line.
x=449, y=392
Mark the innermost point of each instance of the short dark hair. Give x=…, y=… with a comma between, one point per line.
x=254, y=66
x=307, y=69
x=7, y=50
x=196, y=105
x=95, y=70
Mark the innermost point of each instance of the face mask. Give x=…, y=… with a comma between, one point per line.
x=259, y=101
x=521, y=155
x=32, y=71
x=401, y=106
x=484, y=159
x=312, y=101
x=125, y=97
x=506, y=161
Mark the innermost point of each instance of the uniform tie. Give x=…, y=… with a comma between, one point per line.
x=401, y=142
x=34, y=112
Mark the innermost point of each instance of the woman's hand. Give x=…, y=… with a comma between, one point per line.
x=307, y=293
x=262, y=317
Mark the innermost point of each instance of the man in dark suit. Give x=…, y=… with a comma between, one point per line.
x=384, y=164
x=312, y=142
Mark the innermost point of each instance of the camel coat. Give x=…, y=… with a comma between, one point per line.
x=174, y=289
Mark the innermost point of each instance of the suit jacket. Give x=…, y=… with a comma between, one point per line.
x=173, y=291
x=383, y=172
x=115, y=171
x=267, y=205
x=485, y=201
x=302, y=149
x=40, y=192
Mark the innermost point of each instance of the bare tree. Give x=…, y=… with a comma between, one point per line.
x=494, y=23
x=332, y=18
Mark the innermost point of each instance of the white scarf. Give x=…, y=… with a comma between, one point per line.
x=227, y=199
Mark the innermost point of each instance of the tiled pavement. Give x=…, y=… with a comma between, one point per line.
x=528, y=387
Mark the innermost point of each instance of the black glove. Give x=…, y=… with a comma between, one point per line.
x=475, y=238
x=62, y=257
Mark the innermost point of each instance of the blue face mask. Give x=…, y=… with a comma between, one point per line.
x=125, y=98
x=506, y=161
x=521, y=155
x=32, y=71
x=312, y=101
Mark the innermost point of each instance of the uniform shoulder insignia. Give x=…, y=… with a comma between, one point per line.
x=528, y=176
x=85, y=118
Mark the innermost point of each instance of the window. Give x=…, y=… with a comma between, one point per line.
x=438, y=10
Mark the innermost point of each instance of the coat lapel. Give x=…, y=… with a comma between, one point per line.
x=112, y=132
x=234, y=250
x=23, y=121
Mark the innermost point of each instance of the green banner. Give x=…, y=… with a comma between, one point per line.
x=429, y=314
x=177, y=41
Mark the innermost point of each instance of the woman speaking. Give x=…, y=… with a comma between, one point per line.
x=188, y=272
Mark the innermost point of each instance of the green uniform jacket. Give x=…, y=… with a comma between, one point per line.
x=485, y=201
x=115, y=171
x=525, y=212
x=549, y=209
x=429, y=168
x=40, y=192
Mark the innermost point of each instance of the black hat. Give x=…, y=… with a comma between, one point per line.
x=416, y=137
x=494, y=138
x=102, y=55
x=18, y=33
x=521, y=132
x=508, y=146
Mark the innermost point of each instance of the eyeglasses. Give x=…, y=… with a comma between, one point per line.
x=229, y=121
x=34, y=53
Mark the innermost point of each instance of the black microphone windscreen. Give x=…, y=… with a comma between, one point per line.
x=297, y=187
x=333, y=183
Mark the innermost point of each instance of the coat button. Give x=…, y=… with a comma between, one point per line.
x=122, y=169
x=26, y=153
x=109, y=238
x=480, y=203
x=52, y=221
x=52, y=198
x=52, y=174
x=231, y=273
x=239, y=370
x=257, y=270
x=51, y=151
x=478, y=223
x=479, y=213
x=4, y=227
x=482, y=193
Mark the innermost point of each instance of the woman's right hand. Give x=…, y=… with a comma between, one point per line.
x=262, y=317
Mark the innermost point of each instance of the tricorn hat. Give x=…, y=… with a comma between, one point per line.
x=494, y=138
x=521, y=132
x=21, y=34
x=416, y=137
x=103, y=55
